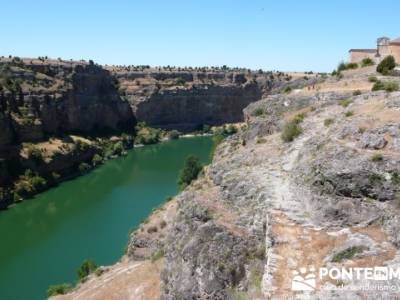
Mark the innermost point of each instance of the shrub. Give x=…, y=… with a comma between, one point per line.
x=34, y=153
x=230, y=129
x=366, y=62
x=291, y=130
x=386, y=65
x=163, y=224
x=157, y=255
x=376, y=157
x=86, y=268
x=118, y=148
x=97, y=160
x=372, y=79
x=206, y=128
x=347, y=254
x=349, y=113
x=81, y=146
x=147, y=135
x=299, y=118
x=29, y=183
x=345, y=102
x=341, y=67
x=378, y=86
x=328, y=122
x=287, y=90
x=351, y=66
x=180, y=81
x=258, y=112
x=173, y=135
x=84, y=167
x=357, y=93
x=190, y=171
x=55, y=176
x=390, y=86
x=152, y=229
x=58, y=289
x=395, y=178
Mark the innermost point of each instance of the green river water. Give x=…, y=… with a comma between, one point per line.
x=43, y=241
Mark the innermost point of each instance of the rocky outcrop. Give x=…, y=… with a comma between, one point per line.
x=324, y=188
x=189, y=109
x=187, y=100
x=86, y=101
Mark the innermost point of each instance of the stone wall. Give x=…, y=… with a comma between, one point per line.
x=395, y=51
x=356, y=56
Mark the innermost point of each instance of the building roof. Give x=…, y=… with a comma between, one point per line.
x=396, y=41
x=363, y=50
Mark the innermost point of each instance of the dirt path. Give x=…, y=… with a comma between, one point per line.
x=125, y=280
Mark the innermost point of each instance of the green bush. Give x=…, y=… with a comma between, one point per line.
x=287, y=90
x=349, y=113
x=386, y=65
x=157, y=255
x=357, y=93
x=147, y=136
x=299, y=118
x=366, y=62
x=290, y=131
x=86, y=268
x=230, y=129
x=372, y=79
x=351, y=66
x=345, y=102
x=174, y=135
x=97, y=160
x=258, y=112
x=328, y=122
x=81, y=146
x=29, y=184
x=390, y=86
x=118, y=148
x=84, y=167
x=34, y=153
x=347, y=254
x=190, y=171
x=376, y=157
x=343, y=67
x=58, y=289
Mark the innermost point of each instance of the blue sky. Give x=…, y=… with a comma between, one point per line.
x=274, y=35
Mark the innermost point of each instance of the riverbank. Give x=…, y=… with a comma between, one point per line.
x=46, y=164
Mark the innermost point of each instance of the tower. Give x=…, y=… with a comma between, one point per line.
x=383, y=47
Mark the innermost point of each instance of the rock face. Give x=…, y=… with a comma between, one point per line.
x=332, y=191
x=188, y=109
x=76, y=99
x=187, y=100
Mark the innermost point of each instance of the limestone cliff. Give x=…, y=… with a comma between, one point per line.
x=186, y=100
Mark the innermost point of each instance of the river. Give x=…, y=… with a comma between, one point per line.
x=44, y=240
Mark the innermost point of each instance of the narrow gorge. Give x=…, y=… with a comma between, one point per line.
x=57, y=116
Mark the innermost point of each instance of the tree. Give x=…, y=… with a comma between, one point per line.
x=59, y=289
x=190, y=171
x=386, y=65
x=86, y=268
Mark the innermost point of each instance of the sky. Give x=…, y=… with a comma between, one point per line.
x=284, y=35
